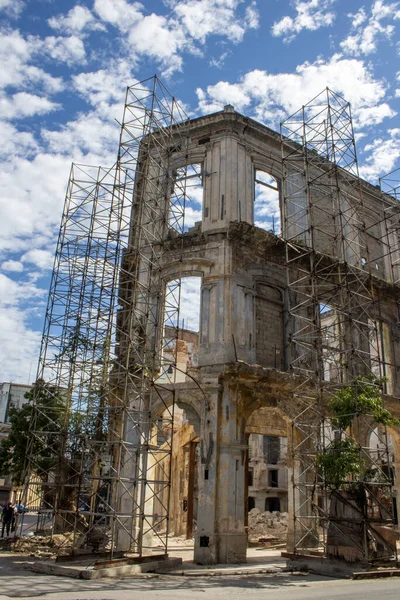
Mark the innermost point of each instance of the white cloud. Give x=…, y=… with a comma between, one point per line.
x=65, y=49
x=16, y=54
x=33, y=176
x=201, y=18
x=223, y=93
x=16, y=143
x=90, y=133
x=153, y=37
x=43, y=259
x=383, y=155
x=12, y=8
x=31, y=202
x=20, y=345
x=12, y=266
x=252, y=16
x=218, y=62
x=192, y=216
x=186, y=27
x=272, y=97
x=13, y=292
x=189, y=313
x=373, y=115
x=105, y=85
x=368, y=31
x=22, y=105
x=120, y=13
x=76, y=21
x=311, y=15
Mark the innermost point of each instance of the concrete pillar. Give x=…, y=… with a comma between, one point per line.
x=126, y=491
x=206, y=545
x=396, y=465
x=221, y=536
x=227, y=321
x=229, y=186
x=302, y=526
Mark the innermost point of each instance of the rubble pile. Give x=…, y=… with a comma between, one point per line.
x=38, y=545
x=269, y=525
x=58, y=544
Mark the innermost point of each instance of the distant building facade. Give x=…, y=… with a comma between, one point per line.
x=268, y=474
x=12, y=395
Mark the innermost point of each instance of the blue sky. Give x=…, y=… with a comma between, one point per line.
x=65, y=66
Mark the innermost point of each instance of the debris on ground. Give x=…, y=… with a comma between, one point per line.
x=267, y=527
x=49, y=546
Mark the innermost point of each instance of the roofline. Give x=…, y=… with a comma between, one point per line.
x=275, y=134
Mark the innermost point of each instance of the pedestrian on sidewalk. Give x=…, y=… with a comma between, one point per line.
x=7, y=517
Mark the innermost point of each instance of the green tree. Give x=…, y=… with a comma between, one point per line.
x=46, y=405
x=341, y=459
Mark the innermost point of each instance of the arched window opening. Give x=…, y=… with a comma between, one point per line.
x=187, y=197
x=181, y=322
x=267, y=214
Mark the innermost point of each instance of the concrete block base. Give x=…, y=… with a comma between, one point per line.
x=321, y=565
x=221, y=548
x=85, y=571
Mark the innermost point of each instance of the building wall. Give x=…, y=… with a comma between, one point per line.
x=12, y=395
x=246, y=330
x=269, y=480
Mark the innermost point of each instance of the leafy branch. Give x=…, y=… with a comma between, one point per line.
x=341, y=460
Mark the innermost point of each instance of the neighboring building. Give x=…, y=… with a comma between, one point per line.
x=268, y=474
x=12, y=395
x=179, y=355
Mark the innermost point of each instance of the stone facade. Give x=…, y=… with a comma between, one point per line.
x=241, y=384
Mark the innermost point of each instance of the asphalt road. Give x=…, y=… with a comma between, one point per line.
x=28, y=521
x=18, y=583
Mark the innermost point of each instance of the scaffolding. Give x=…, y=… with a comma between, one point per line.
x=99, y=456
x=103, y=419
x=337, y=274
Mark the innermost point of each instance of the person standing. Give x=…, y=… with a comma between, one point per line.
x=7, y=517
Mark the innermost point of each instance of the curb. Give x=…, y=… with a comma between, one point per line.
x=383, y=573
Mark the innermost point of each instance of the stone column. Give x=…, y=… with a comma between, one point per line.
x=302, y=526
x=221, y=536
x=206, y=546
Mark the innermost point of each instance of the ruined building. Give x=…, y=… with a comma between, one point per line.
x=298, y=260
x=261, y=293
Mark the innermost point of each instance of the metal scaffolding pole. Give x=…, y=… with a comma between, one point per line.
x=103, y=419
x=334, y=276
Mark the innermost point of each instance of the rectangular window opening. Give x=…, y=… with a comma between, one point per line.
x=186, y=202
x=267, y=213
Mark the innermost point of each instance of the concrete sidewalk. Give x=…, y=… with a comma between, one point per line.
x=259, y=560
x=180, y=563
